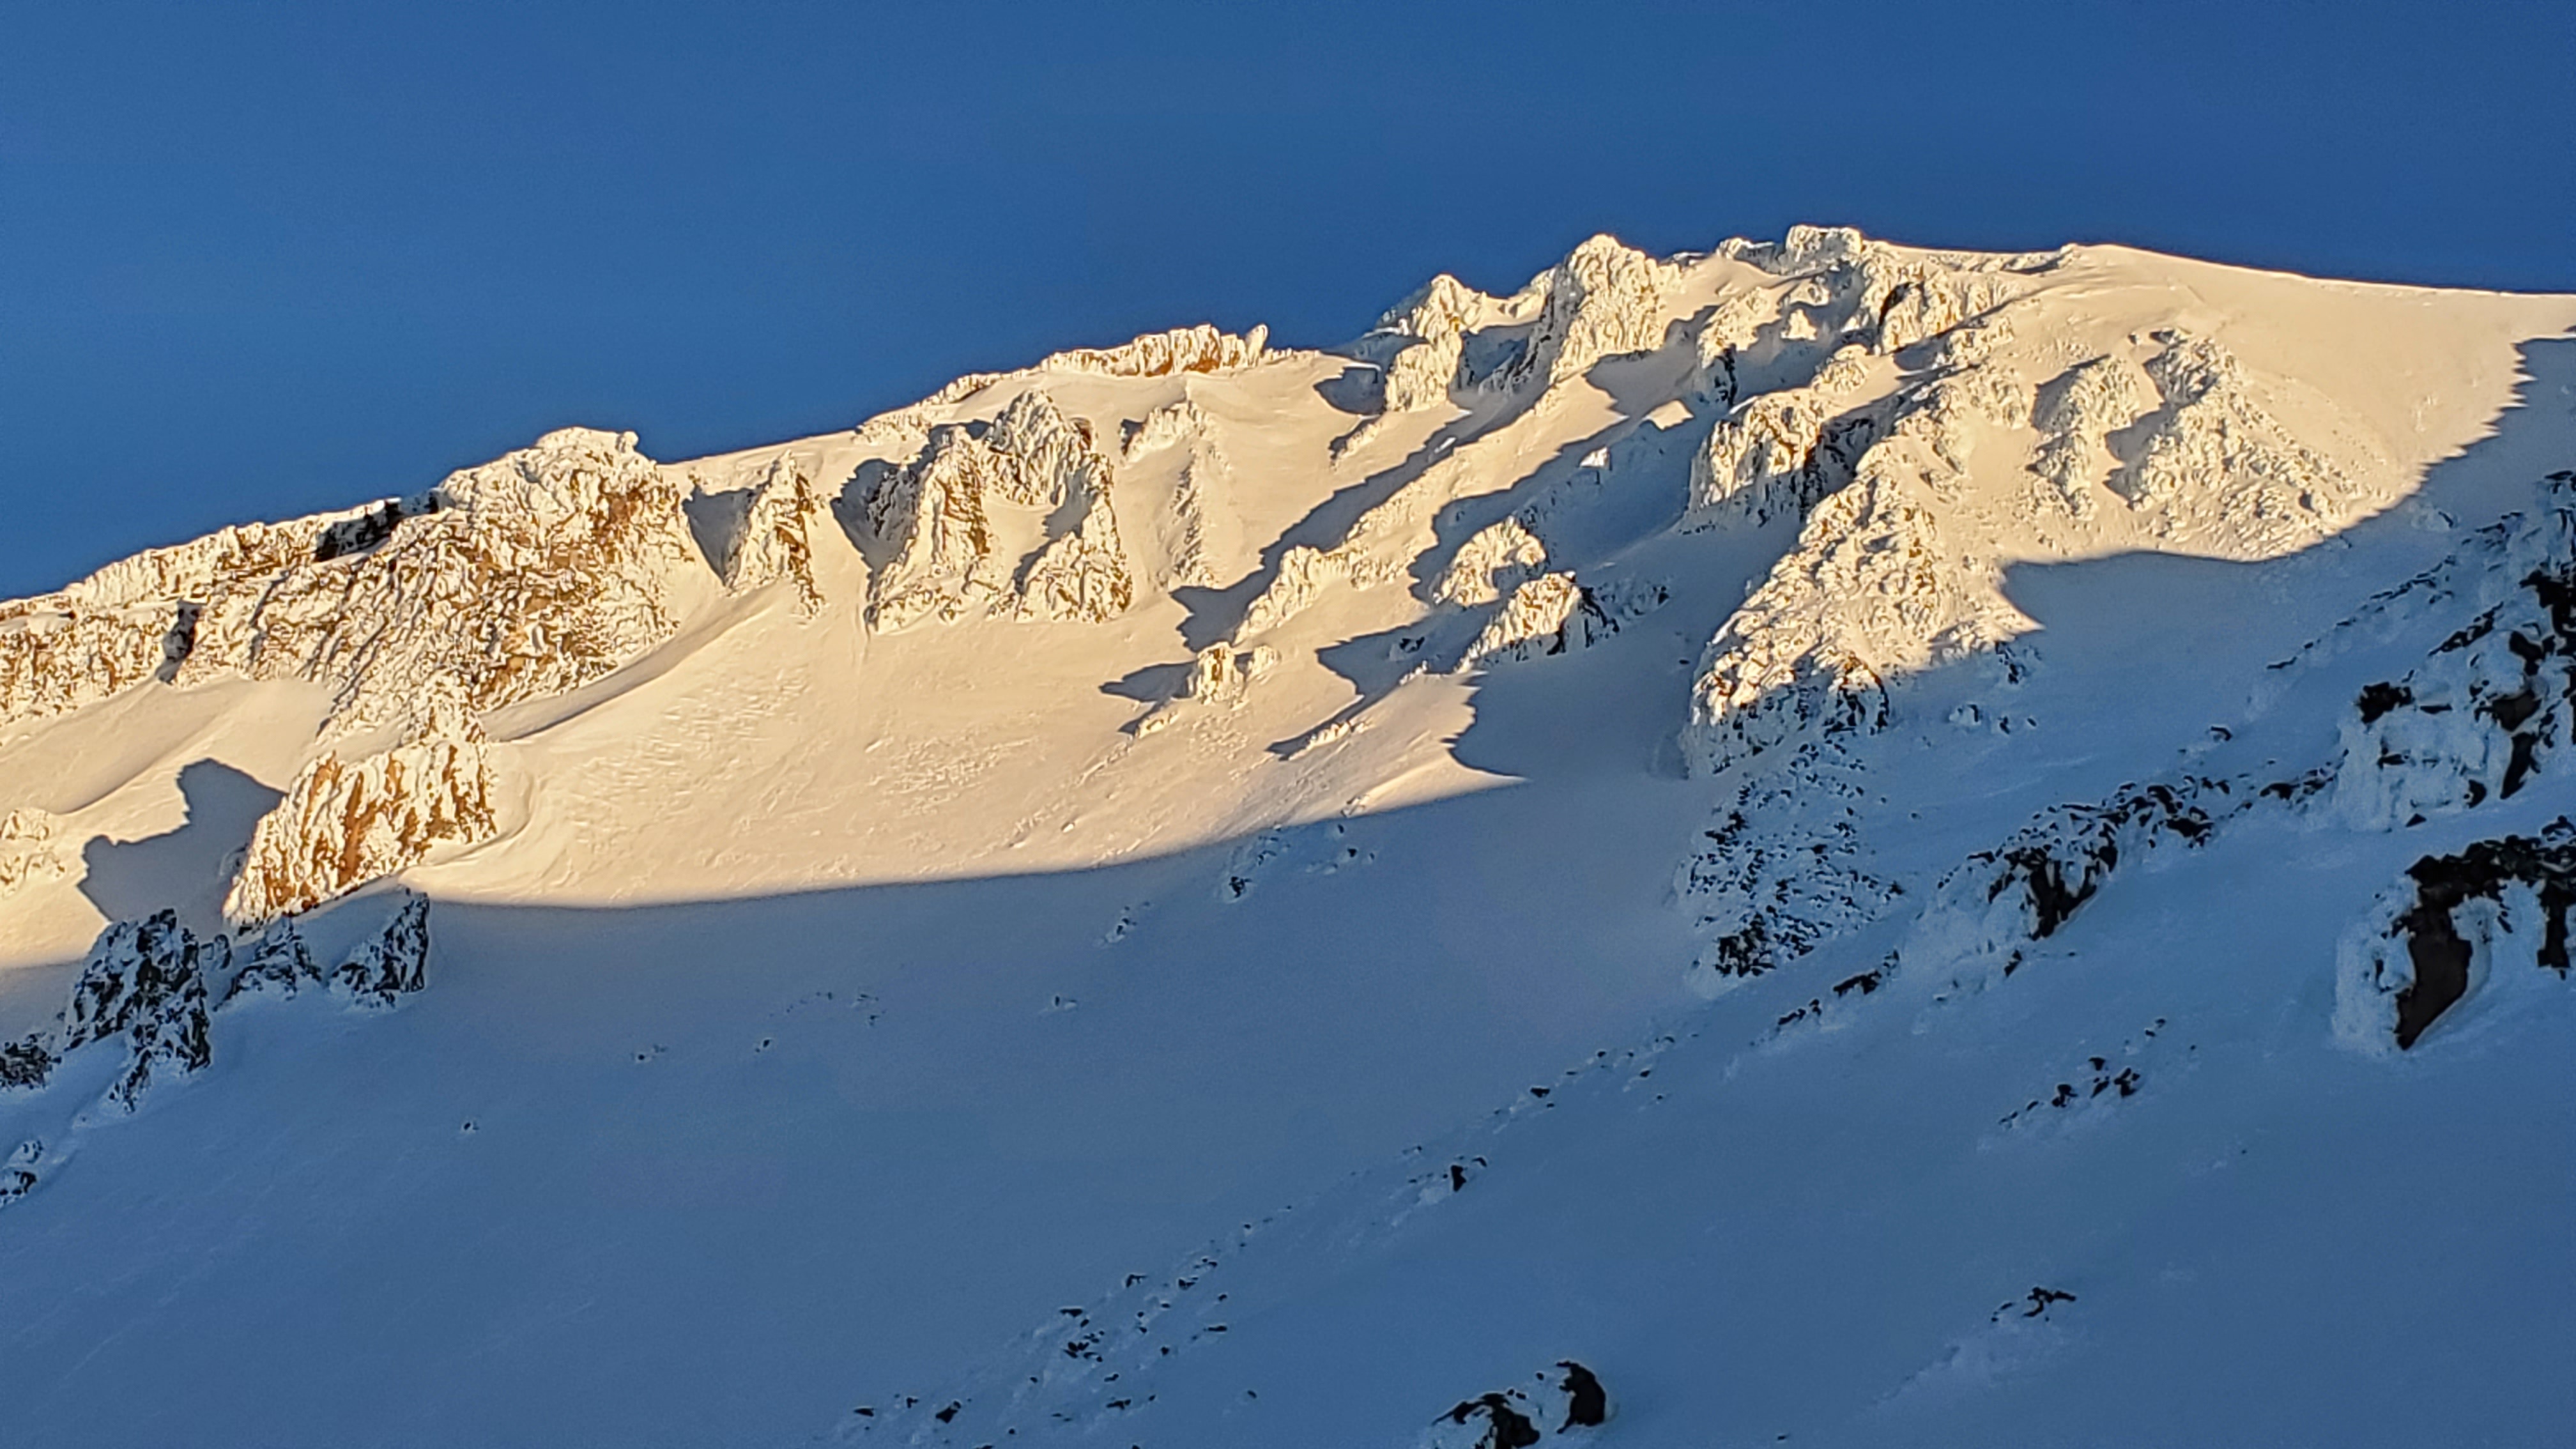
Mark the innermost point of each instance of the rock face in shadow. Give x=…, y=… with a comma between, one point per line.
x=1563, y=1403
x=2494, y=911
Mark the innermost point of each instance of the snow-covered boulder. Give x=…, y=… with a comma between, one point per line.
x=2494, y=915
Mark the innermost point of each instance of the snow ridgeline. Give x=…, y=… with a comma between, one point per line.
x=151, y=989
x=522, y=579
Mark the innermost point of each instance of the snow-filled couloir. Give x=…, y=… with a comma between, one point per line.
x=1818, y=840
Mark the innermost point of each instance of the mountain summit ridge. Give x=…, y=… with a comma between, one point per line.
x=1790, y=670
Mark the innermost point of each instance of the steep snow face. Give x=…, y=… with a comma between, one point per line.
x=1906, y=823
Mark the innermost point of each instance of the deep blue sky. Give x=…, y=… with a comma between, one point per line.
x=259, y=259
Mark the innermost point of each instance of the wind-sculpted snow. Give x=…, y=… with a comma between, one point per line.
x=30, y=848
x=2490, y=920
x=345, y=823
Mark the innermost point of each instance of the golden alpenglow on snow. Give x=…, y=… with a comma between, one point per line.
x=1816, y=841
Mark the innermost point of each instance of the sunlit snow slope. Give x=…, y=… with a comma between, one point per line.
x=1819, y=842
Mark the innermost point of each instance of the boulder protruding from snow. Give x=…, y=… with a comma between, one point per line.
x=2494, y=914
x=1566, y=1402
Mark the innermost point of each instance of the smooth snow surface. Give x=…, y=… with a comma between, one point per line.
x=1817, y=843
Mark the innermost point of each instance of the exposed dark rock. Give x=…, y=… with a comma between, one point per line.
x=2440, y=955
x=391, y=965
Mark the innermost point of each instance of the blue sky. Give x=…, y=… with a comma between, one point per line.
x=259, y=259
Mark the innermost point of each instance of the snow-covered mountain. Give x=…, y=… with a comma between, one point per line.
x=1821, y=842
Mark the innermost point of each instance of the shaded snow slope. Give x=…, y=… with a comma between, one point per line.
x=1818, y=839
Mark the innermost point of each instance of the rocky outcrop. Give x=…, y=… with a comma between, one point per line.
x=774, y=541
x=1081, y=576
x=2490, y=707
x=391, y=964
x=2493, y=915
x=1202, y=348
x=536, y=574
x=2076, y=413
x=1605, y=299
x=146, y=982
x=275, y=963
x=1492, y=562
x=1998, y=902
x=933, y=521
x=1550, y=614
x=1778, y=454
x=344, y=823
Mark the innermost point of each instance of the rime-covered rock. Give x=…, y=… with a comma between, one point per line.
x=1423, y=341
x=2076, y=412
x=1304, y=574
x=277, y=963
x=775, y=539
x=1202, y=348
x=2494, y=914
x=1550, y=614
x=2490, y=707
x=391, y=964
x=1082, y=576
x=2217, y=461
x=537, y=573
x=139, y=618
x=1778, y=454
x=1606, y=298
x=933, y=517
x=1495, y=560
x=1219, y=674
x=145, y=981
x=346, y=822
x=2000, y=901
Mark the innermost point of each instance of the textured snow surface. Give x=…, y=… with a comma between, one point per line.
x=1820, y=841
